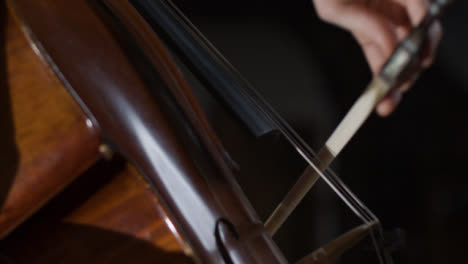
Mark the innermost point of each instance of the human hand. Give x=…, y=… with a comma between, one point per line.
x=378, y=26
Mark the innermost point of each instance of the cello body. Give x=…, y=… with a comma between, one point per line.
x=87, y=93
x=48, y=143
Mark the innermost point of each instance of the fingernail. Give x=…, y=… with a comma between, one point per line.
x=386, y=106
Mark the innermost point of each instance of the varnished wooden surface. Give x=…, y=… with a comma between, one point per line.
x=45, y=141
x=140, y=116
x=109, y=215
x=128, y=205
x=144, y=122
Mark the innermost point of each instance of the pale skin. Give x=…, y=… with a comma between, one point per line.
x=378, y=26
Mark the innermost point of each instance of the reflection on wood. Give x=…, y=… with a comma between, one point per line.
x=50, y=143
x=127, y=205
x=109, y=215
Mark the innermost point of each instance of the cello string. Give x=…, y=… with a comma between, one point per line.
x=295, y=140
x=335, y=183
x=253, y=97
x=346, y=195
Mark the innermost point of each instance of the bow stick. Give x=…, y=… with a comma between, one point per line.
x=402, y=66
x=332, y=251
x=317, y=163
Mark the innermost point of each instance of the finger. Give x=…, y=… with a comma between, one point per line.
x=361, y=21
x=378, y=38
x=395, y=11
x=376, y=25
x=402, y=32
x=373, y=31
x=434, y=37
x=374, y=54
x=417, y=9
x=388, y=104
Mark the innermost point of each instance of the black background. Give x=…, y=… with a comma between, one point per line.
x=408, y=168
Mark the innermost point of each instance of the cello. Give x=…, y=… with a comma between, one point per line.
x=108, y=79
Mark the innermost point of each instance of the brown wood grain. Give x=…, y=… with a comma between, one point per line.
x=128, y=96
x=109, y=215
x=45, y=141
x=128, y=205
x=136, y=112
x=46, y=144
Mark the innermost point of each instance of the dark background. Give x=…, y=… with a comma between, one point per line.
x=408, y=168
